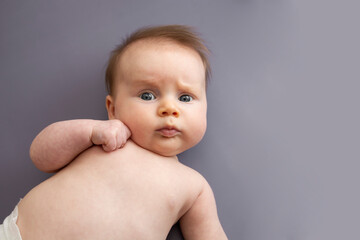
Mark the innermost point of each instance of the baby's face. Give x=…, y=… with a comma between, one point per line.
x=160, y=95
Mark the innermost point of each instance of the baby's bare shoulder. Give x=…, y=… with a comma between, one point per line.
x=191, y=173
x=190, y=177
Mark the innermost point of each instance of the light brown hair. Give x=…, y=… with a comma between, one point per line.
x=181, y=34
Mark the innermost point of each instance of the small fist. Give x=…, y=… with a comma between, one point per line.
x=111, y=134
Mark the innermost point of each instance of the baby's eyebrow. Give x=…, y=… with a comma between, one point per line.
x=144, y=81
x=154, y=82
x=188, y=87
x=184, y=85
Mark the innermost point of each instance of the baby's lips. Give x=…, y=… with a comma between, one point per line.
x=168, y=132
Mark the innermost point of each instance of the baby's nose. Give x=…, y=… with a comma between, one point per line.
x=168, y=109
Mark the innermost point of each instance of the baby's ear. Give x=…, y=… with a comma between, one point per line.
x=110, y=107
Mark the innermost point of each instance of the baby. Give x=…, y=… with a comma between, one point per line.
x=157, y=98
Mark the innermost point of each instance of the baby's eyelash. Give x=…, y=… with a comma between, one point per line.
x=185, y=98
x=147, y=96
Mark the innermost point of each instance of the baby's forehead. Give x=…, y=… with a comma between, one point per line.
x=157, y=43
x=149, y=54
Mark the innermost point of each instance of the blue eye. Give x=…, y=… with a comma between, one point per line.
x=147, y=96
x=185, y=98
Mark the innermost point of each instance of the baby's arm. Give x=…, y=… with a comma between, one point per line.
x=201, y=220
x=59, y=143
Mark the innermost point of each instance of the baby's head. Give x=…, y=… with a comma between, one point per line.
x=157, y=86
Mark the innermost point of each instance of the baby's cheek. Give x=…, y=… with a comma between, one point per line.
x=136, y=131
x=202, y=130
x=198, y=129
x=140, y=127
x=139, y=137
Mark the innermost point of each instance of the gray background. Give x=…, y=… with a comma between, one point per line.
x=282, y=147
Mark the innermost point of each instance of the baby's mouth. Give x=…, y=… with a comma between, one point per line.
x=168, y=132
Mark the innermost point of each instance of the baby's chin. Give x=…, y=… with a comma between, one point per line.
x=165, y=151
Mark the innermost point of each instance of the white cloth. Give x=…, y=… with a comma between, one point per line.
x=9, y=230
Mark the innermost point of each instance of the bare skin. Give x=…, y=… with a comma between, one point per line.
x=141, y=190
x=127, y=195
